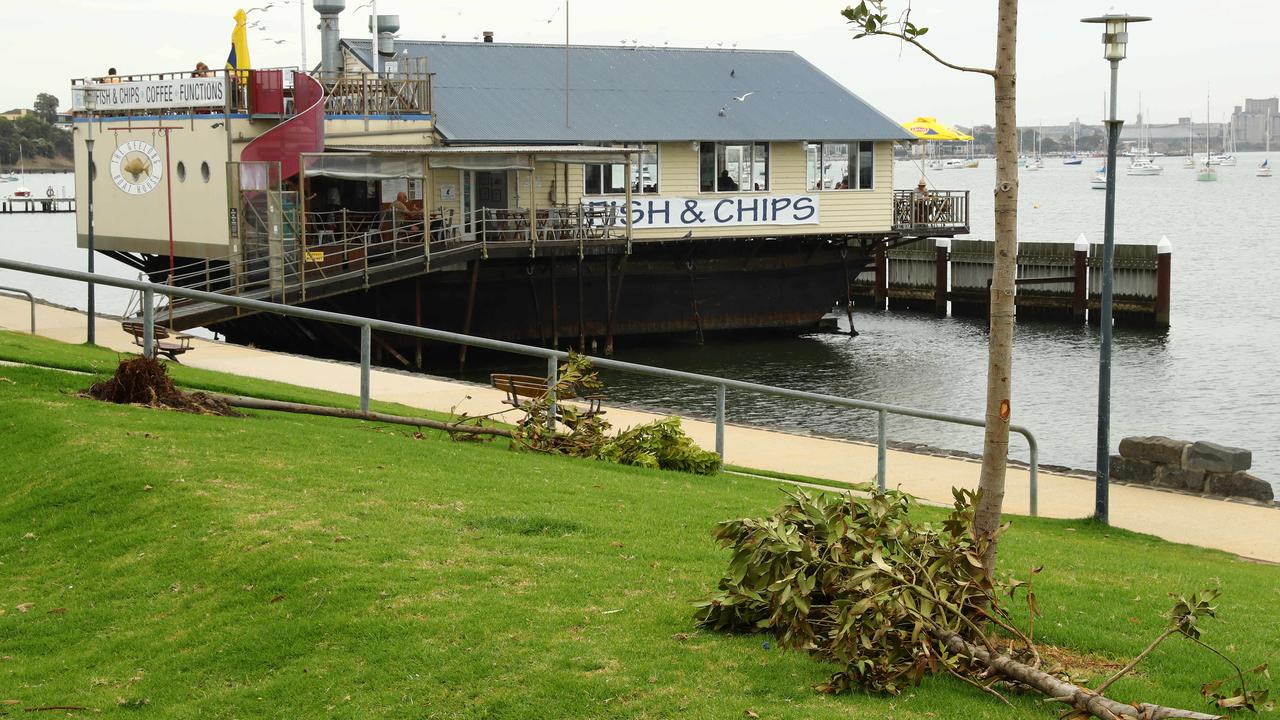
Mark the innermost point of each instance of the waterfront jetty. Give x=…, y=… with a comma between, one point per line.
x=49, y=204
x=1058, y=282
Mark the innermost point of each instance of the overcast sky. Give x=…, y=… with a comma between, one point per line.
x=1228, y=47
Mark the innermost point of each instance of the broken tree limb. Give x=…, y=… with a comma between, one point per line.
x=280, y=406
x=1082, y=699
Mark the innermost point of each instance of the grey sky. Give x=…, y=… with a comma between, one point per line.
x=1229, y=46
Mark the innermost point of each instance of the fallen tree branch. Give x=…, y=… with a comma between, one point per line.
x=279, y=406
x=1082, y=699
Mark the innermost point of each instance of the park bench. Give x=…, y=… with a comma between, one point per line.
x=169, y=344
x=521, y=388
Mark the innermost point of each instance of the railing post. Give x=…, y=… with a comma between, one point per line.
x=720, y=422
x=365, y=240
x=553, y=377
x=366, y=340
x=149, y=322
x=881, y=443
x=1033, y=455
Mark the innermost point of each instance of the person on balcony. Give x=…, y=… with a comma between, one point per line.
x=407, y=219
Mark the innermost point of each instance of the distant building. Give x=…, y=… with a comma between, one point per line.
x=15, y=113
x=1250, y=122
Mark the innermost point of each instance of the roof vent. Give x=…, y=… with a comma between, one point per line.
x=488, y=36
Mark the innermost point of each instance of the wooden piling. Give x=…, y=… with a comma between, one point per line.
x=1080, y=289
x=941, y=255
x=1164, y=271
x=880, y=292
x=471, y=307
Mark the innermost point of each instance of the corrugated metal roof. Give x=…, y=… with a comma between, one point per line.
x=504, y=92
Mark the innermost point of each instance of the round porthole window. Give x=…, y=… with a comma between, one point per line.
x=182, y=172
x=204, y=171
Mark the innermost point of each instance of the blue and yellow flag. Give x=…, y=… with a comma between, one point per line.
x=239, y=57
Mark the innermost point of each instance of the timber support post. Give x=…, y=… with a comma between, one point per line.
x=693, y=301
x=848, y=292
x=880, y=293
x=613, y=304
x=941, y=256
x=471, y=308
x=555, y=308
x=417, y=320
x=582, y=329
x=1164, y=273
x=1080, y=291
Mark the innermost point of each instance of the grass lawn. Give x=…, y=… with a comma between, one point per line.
x=159, y=564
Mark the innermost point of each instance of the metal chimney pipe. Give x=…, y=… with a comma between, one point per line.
x=488, y=36
x=330, y=37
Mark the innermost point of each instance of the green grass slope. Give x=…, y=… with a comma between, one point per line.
x=159, y=564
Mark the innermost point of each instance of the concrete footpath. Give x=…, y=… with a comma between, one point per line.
x=1248, y=530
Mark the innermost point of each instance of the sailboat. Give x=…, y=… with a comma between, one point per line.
x=1227, y=158
x=1264, y=170
x=20, y=192
x=1034, y=162
x=1206, y=173
x=1189, y=162
x=1141, y=162
x=1073, y=158
x=1099, y=179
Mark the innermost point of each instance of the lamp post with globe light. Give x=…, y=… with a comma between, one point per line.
x=90, y=105
x=1115, y=37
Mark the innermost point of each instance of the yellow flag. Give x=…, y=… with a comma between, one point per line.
x=239, y=57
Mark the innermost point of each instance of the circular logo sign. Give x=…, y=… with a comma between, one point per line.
x=136, y=168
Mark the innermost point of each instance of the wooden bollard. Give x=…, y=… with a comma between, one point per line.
x=941, y=256
x=880, y=294
x=1164, y=270
x=1080, y=290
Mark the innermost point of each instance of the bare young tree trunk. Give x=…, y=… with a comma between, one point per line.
x=995, y=447
x=1082, y=699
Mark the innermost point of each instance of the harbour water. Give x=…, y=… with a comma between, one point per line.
x=1210, y=376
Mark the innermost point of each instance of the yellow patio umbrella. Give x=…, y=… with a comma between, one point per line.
x=927, y=128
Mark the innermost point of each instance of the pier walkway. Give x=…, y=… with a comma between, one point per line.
x=1247, y=530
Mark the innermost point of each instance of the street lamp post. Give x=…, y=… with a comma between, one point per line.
x=90, y=104
x=1114, y=38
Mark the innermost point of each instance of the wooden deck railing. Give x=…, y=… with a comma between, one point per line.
x=938, y=212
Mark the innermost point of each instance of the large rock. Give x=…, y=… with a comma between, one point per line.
x=1216, y=458
x=1238, y=484
x=1178, y=478
x=1139, y=472
x=1156, y=448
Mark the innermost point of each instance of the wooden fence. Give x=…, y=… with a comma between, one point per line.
x=1055, y=281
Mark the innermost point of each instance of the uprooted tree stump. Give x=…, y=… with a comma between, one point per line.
x=146, y=381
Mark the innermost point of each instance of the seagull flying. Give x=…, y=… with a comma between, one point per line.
x=743, y=97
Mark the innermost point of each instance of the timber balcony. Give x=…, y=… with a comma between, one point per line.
x=346, y=250
x=931, y=212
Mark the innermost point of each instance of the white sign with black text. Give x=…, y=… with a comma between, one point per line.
x=153, y=94
x=663, y=212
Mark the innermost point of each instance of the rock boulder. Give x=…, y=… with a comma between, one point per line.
x=1178, y=478
x=1156, y=448
x=1238, y=484
x=1213, y=457
x=1139, y=472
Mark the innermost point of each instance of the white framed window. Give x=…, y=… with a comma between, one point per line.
x=733, y=167
x=840, y=165
x=608, y=178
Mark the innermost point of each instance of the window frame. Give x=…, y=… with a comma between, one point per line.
x=637, y=169
x=853, y=158
x=752, y=146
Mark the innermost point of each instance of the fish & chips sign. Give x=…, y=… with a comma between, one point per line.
x=714, y=212
x=153, y=94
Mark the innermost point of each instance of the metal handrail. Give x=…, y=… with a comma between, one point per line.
x=30, y=298
x=368, y=325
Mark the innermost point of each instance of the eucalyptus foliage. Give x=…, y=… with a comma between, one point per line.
x=659, y=444
x=857, y=581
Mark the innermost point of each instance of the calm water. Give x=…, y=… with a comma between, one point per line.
x=1211, y=376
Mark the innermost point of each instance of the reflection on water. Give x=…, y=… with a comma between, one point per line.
x=1210, y=377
